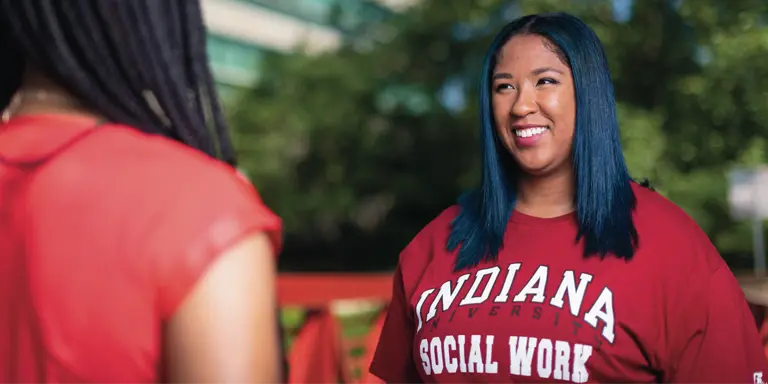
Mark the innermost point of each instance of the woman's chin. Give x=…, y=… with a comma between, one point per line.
x=536, y=170
x=539, y=167
x=534, y=165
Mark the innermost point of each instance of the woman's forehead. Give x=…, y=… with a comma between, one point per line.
x=524, y=52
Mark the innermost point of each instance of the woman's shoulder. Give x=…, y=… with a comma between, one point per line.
x=672, y=233
x=134, y=164
x=429, y=243
x=187, y=207
x=131, y=148
x=435, y=233
x=79, y=158
x=140, y=176
x=157, y=168
x=655, y=210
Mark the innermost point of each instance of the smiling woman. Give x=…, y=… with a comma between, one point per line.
x=558, y=266
x=534, y=106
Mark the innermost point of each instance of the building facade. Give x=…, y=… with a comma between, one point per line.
x=241, y=31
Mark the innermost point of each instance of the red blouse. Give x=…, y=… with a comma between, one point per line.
x=103, y=232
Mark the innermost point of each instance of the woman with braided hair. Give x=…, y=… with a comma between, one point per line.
x=130, y=249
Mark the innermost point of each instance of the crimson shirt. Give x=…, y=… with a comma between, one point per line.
x=544, y=313
x=103, y=232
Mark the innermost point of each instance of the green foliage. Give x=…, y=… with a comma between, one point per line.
x=356, y=152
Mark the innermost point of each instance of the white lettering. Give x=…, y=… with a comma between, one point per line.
x=562, y=351
x=504, y=294
x=491, y=366
x=555, y=359
x=535, y=286
x=479, y=275
x=436, y=358
x=521, y=355
x=422, y=298
x=575, y=294
x=534, y=291
x=446, y=296
x=424, y=354
x=451, y=363
x=581, y=354
x=475, y=358
x=544, y=359
x=462, y=359
x=602, y=309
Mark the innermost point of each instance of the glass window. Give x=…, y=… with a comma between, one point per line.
x=345, y=15
x=317, y=11
x=232, y=53
x=353, y=14
x=233, y=61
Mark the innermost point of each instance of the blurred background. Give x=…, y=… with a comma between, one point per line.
x=357, y=122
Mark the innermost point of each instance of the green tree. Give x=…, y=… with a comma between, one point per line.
x=358, y=149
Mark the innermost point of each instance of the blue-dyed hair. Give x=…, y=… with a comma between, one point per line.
x=604, y=199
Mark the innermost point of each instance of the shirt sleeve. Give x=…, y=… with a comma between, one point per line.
x=196, y=217
x=393, y=359
x=723, y=345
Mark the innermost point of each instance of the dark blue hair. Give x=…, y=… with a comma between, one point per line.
x=604, y=199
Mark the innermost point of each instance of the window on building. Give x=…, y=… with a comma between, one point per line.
x=315, y=11
x=345, y=15
x=353, y=14
x=234, y=62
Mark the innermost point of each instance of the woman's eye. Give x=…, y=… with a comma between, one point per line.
x=547, y=80
x=502, y=87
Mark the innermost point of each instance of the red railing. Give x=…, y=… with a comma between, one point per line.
x=320, y=351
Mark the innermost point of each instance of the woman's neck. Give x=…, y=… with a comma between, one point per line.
x=38, y=94
x=546, y=196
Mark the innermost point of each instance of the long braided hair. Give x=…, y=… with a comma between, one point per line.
x=142, y=63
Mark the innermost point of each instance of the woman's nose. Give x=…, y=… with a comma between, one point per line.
x=525, y=103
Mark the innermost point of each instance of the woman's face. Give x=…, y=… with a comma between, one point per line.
x=534, y=104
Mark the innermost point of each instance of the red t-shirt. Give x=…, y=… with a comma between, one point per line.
x=103, y=233
x=544, y=313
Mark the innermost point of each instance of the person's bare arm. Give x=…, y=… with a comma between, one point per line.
x=225, y=330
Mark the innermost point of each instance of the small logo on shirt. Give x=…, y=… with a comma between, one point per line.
x=757, y=378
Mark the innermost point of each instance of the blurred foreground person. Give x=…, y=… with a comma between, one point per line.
x=128, y=252
x=559, y=267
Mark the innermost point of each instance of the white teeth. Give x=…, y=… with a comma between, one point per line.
x=528, y=132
